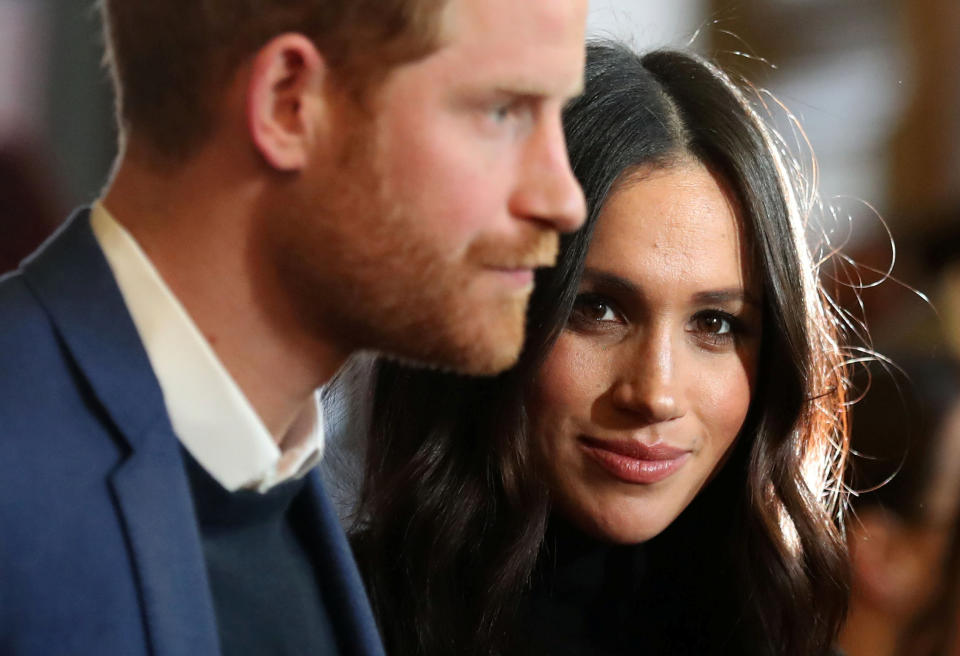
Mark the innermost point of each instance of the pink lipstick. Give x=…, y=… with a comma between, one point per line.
x=635, y=462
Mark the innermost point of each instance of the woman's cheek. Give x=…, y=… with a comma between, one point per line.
x=570, y=375
x=562, y=397
x=724, y=399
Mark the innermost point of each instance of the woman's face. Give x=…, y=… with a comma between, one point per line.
x=647, y=387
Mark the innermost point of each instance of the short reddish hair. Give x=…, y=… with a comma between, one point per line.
x=171, y=59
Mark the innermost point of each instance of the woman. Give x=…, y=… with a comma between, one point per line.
x=658, y=472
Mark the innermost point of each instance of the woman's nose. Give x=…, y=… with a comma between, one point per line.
x=647, y=383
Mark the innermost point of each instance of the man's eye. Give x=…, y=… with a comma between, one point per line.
x=500, y=113
x=513, y=115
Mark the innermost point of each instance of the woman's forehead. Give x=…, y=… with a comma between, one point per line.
x=669, y=222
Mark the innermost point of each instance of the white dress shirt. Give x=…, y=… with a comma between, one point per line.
x=210, y=415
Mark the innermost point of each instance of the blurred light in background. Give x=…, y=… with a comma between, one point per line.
x=23, y=54
x=647, y=25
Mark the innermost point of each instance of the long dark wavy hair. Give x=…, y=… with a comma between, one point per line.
x=452, y=515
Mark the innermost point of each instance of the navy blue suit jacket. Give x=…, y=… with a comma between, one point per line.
x=99, y=548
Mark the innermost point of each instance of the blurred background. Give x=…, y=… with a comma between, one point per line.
x=875, y=85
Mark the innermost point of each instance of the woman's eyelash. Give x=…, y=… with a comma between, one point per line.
x=594, y=308
x=713, y=327
x=718, y=326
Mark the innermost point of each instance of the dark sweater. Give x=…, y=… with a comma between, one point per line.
x=265, y=590
x=668, y=597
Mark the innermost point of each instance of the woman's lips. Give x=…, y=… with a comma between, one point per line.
x=635, y=462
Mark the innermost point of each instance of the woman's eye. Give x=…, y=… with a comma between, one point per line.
x=602, y=312
x=716, y=328
x=591, y=309
x=714, y=324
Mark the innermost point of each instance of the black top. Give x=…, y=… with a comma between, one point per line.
x=668, y=597
x=265, y=590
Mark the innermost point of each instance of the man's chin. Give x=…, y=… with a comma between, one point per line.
x=486, y=351
x=479, y=369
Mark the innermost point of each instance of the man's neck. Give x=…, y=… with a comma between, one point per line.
x=197, y=232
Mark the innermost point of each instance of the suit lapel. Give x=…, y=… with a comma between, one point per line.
x=73, y=281
x=154, y=499
x=342, y=586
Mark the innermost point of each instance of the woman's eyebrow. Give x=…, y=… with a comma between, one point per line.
x=730, y=295
x=610, y=281
x=614, y=283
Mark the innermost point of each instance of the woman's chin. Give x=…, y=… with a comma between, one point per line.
x=616, y=528
x=624, y=535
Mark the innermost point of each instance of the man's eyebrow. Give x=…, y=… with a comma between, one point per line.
x=532, y=90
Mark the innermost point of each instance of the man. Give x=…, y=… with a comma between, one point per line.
x=298, y=181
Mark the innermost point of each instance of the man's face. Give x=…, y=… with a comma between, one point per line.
x=449, y=191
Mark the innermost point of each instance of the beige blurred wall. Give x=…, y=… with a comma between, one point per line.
x=646, y=24
x=925, y=151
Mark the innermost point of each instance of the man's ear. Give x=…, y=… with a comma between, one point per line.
x=286, y=105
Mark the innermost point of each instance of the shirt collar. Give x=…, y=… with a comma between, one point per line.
x=212, y=418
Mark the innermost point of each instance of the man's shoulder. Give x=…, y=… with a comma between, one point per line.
x=62, y=545
x=41, y=390
x=24, y=325
x=56, y=442
x=32, y=346
x=14, y=292
x=26, y=331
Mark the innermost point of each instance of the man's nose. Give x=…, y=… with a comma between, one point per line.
x=547, y=191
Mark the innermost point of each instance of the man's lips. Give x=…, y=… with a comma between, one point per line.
x=522, y=275
x=519, y=269
x=525, y=263
x=635, y=462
